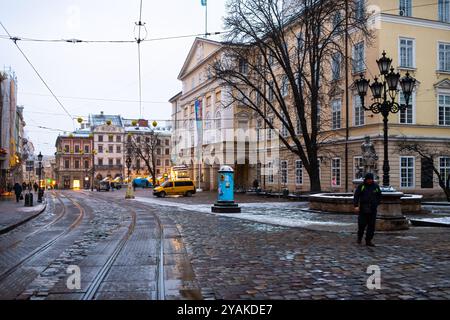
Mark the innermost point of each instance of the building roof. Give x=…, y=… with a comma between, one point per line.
x=175, y=97
x=100, y=119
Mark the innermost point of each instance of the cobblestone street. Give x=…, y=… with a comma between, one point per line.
x=172, y=248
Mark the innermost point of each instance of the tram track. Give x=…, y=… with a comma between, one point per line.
x=99, y=278
x=49, y=243
x=61, y=214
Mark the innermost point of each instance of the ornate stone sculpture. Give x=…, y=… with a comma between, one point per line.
x=370, y=157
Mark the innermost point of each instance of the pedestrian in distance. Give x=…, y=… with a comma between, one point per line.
x=35, y=187
x=24, y=186
x=18, y=191
x=366, y=201
x=134, y=185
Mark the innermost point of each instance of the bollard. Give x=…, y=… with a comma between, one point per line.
x=28, y=200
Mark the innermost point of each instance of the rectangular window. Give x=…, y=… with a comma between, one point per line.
x=111, y=162
x=100, y=138
x=405, y=8
x=100, y=161
x=77, y=164
x=119, y=149
x=158, y=151
x=77, y=149
x=406, y=53
x=66, y=148
x=167, y=151
x=284, y=171
x=444, y=168
x=335, y=172
x=118, y=139
x=444, y=110
x=111, y=138
x=444, y=10
x=158, y=162
x=271, y=92
x=284, y=129
x=406, y=172
x=298, y=172
x=86, y=164
x=270, y=172
x=166, y=162
x=336, y=66
x=360, y=9
x=118, y=161
x=407, y=115
x=284, y=86
x=358, y=57
x=243, y=66
x=358, y=167
x=298, y=128
x=358, y=111
x=66, y=164
x=167, y=142
x=86, y=149
x=100, y=148
x=258, y=129
x=111, y=149
x=336, y=109
x=444, y=56
x=270, y=132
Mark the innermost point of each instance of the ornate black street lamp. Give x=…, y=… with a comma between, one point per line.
x=40, y=191
x=384, y=93
x=128, y=163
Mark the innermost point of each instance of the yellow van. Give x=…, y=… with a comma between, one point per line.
x=171, y=187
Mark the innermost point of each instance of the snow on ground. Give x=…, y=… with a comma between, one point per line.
x=287, y=214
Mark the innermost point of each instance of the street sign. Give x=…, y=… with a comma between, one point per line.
x=30, y=165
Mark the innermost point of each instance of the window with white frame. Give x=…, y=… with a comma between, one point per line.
x=444, y=109
x=405, y=8
x=270, y=172
x=444, y=10
x=406, y=172
x=336, y=172
x=298, y=172
x=336, y=66
x=358, y=167
x=406, y=52
x=270, y=132
x=243, y=66
x=407, y=116
x=358, y=111
x=284, y=129
x=284, y=171
x=284, y=86
x=358, y=57
x=444, y=167
x=444, y=56
x=336, y=114
x=259, y=127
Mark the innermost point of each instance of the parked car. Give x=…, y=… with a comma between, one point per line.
x=175, y=187
x=103, y=186
x=142, y=183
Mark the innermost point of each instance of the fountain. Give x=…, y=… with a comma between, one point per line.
x=393, y=203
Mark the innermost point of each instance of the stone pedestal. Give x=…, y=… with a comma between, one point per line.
x=390, y=217
x=226, y=207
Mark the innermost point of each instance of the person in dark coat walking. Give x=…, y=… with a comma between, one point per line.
x=366, y=200
x=17, y=191
x=35, y=187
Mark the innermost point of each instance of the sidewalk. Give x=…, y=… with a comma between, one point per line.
x=13, y=214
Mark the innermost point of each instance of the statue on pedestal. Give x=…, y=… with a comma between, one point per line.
x=370, y=158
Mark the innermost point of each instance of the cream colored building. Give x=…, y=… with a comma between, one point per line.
x=416, y=35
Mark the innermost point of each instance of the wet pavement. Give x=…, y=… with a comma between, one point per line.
x=174, y=248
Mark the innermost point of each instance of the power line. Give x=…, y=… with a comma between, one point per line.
x=140, y=25
x=96, y=99
x=35, y=70
x=77, y=41
x=416, y=6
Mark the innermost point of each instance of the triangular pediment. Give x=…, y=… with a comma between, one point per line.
x=443, y=84
x=200, y=50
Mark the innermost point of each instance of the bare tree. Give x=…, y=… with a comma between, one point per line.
x=430, y=153
x=280, y=61
x=144, y=146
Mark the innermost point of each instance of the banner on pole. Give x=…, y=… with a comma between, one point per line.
x=203, y=2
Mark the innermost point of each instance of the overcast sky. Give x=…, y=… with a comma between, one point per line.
x=98, y=70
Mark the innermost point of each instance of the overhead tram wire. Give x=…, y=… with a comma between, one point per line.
x=78, y=41
x=38, y=74
x=138, y=41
